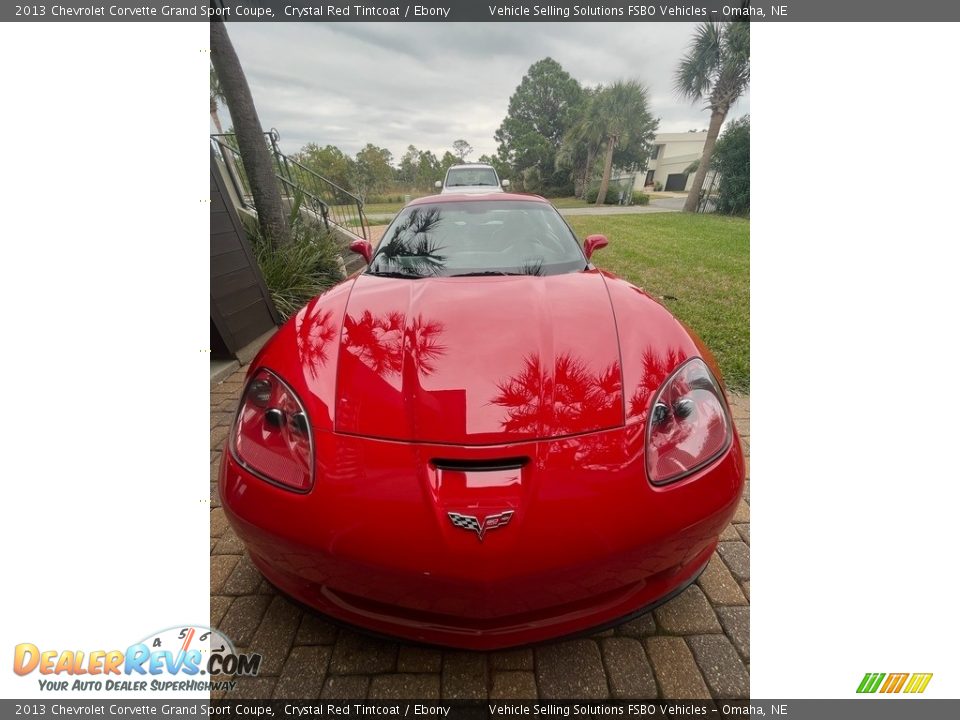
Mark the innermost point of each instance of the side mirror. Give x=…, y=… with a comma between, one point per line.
x=364, y=248
x=505, y=183
x=594, y=243
x=438, y=184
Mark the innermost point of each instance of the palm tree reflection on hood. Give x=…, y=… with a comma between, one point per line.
x=410, y=250
x=380, y=341
x=423, y=344
x=569, y=399
x=656, y=368
x=314, y=331
x=562, y=400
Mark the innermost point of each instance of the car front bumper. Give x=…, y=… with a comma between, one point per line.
x=590, y=540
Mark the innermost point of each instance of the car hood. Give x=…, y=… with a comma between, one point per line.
x=478, y=361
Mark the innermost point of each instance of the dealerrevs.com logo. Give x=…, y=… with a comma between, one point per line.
x=911, y=683
x=182, y=659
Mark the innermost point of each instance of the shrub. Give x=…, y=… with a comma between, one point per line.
x=557, y=185
x=731, y=160
x=657, y=186
x=555, y=191
x=382, y=199
x=532, y=180
x=613, y=195
x=298, y=271
x=641, y=198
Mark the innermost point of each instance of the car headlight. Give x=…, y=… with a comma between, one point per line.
x=271, y=436
x=689, y=424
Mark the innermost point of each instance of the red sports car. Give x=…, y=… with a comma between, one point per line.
x=482, y=440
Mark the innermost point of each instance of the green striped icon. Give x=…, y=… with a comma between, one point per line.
x=871, y=682
x=895, y=682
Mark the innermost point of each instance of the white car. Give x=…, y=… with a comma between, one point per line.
x=471, y=178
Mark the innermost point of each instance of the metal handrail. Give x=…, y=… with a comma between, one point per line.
x=328, y=181
x=337, y=206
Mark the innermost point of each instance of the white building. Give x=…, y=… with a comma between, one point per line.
x=671, y=156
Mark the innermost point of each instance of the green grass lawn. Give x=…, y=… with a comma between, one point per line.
x=372, y=208
x=568, y=202
x=393, y=207
x=701, y=260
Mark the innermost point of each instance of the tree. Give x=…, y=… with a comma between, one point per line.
x=731, y=161
x=328, y=161
x=448, y=161
x=428, y=169
x=541, y=111
x=502, y=168
x=216, y=97
x=621, y=111
x=372, y=172
x=253, y=149
x=461, y=148
x=532, y=180
x=582, y=143
x=716, y=69
x=409, y=165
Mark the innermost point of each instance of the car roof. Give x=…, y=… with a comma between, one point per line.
x=475, y=197
x=469, y=166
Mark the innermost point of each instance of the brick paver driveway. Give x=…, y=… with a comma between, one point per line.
x=695, y=646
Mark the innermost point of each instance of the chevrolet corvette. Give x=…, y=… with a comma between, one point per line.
x=481, y=440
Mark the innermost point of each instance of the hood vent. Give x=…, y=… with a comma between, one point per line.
x=490, y=465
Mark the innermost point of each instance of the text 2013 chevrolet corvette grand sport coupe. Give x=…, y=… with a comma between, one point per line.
x=482, y=440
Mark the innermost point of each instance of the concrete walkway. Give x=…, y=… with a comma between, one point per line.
x=695, y=646
x=655, y=206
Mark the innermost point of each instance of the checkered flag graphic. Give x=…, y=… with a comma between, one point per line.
x=491, y=522
x=465, y=522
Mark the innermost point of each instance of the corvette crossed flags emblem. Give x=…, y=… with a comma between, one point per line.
x=490, y=522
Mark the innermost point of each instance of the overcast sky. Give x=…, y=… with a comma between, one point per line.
x=427, y=84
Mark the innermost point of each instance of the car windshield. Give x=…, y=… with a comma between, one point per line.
x=466, y=177
x=456, y=239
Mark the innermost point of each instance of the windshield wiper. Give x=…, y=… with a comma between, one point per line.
x=394, y=274
x=484, y=272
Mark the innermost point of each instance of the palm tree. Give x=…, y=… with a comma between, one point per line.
x=623, y=114
x=716, y=69
x=253, y=149
x=581, y=145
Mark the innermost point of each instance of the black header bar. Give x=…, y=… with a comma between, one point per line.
x=479, y=11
